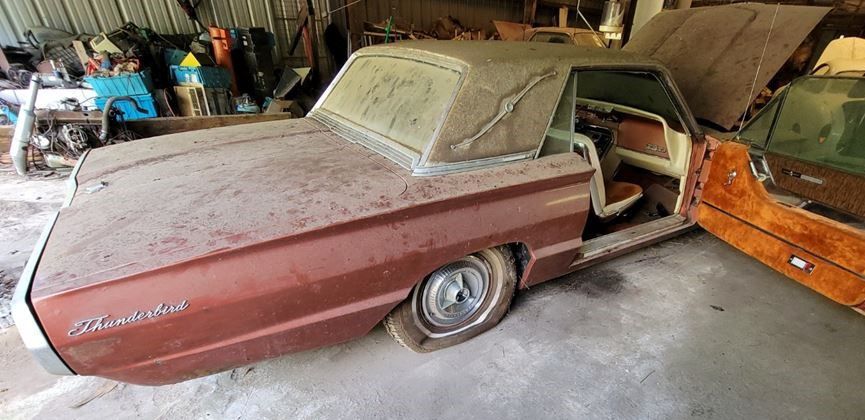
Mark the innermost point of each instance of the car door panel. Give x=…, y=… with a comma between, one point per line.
x=841, y=190
x=737, y=208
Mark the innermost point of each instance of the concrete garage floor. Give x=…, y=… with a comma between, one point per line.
x=26, y=204
x=687, y=328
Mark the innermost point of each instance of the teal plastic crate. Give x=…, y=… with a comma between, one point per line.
x=140, y=83
x=145, y=102
x=209, y=77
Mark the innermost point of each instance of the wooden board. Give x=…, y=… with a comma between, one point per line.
x=169, y=125
x=145, y=128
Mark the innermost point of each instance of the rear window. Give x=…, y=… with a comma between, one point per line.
x=552, y=37
x=399, y=99
x=589, y=39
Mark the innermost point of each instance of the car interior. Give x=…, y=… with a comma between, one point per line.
x=633, y=138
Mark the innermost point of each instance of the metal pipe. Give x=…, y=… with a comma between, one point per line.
x=106, y=114
x=24, y=127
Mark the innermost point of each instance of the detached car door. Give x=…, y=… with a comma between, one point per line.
x=791, y=191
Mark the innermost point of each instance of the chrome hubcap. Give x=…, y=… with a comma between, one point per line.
x=455, y=292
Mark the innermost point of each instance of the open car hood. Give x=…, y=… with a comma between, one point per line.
x=714, y=53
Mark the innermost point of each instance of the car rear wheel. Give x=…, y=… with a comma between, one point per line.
x=456, y=302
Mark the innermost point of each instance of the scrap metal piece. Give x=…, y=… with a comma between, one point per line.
x=24, y=128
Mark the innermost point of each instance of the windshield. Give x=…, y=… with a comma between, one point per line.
x=399, y=99
x=821, y=120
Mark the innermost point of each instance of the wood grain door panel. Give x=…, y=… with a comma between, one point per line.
x=837, y=189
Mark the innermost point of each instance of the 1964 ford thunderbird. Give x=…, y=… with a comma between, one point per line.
x=430, y=181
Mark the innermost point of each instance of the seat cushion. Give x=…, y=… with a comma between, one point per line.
x=617, y=191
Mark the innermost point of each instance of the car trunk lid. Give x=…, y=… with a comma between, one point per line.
x=164, y=200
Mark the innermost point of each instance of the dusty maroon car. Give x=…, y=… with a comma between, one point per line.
x=431, y=181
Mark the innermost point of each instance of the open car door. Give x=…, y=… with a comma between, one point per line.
x=791, y=191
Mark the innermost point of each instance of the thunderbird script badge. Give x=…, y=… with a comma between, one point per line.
x=104, y=321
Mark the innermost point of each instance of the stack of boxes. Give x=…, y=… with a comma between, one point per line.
x=201, y=88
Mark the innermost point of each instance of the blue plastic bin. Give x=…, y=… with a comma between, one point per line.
x=209, y=77
x=140, y=83
x=129, y=112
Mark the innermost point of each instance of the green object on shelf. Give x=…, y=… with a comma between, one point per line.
x=387, y=29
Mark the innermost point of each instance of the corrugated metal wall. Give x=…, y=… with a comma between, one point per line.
x=277, y=16
x=163, y=16
x=423, y=13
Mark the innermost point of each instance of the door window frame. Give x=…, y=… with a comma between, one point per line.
x=686, y=118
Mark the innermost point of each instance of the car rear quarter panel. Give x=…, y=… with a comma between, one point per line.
x=321, y=287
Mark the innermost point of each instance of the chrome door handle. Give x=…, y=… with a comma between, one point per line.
x=730, y=177
x=761, y=172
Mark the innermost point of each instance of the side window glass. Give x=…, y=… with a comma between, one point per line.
x=756, y=131
x=559, y=137
x=822, y=121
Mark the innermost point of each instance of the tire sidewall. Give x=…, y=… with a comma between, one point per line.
x=500, y=262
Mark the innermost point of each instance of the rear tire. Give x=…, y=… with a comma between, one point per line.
x=458, y=301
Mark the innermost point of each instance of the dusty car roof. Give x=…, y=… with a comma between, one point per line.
x=494, y=72
x=478, y=53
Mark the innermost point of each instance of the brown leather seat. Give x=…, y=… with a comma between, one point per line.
x=609, y=198
x=620, y=191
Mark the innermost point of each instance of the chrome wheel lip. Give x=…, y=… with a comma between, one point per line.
x=454, y=293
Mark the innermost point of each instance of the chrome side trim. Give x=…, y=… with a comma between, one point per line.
x=449, y=168
x=72, y=181
x=31, y=332
x=25, y=318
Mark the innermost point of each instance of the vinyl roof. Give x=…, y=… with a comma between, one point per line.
x=494, y=72
x=538, y=54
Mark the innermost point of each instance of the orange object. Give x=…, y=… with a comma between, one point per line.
x=221, y=40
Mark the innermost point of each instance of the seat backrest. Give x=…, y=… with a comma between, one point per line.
x=590, y=153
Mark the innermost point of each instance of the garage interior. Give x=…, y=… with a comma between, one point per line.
x=685, y=327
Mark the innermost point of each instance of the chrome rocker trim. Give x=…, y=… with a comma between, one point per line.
x=31, y=332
